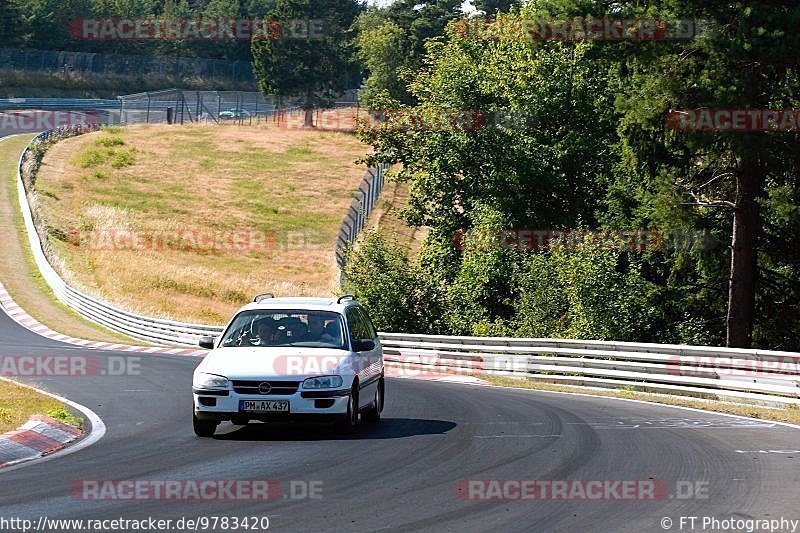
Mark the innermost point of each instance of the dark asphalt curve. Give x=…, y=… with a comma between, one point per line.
x=402, y=475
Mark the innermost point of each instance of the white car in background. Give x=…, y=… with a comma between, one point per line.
x=235, y=114
x=291, y=359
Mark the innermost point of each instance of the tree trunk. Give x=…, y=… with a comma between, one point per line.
x=744, y=255
x=309, y=109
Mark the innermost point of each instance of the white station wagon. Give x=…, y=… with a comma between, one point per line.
x=291, y=358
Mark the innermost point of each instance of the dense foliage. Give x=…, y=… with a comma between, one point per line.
x=589, y=146
x=45, y=25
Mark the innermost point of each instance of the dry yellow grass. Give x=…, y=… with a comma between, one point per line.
x=285, y=190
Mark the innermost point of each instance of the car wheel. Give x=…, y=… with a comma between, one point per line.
x=203, y=428
x=373, y=413
x=348, y=422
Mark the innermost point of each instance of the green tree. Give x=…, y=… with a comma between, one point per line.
x=9, y=23
x=228, y=49
x=394, y=290
x=314, y=67
x=123, y=9
x=177, y=48
x=380, y=44
x=749, y=62
x=45, y=23
x=585, y=293
x=539, y=154
x=392, y=41
x=540, y=147
x=492, y=7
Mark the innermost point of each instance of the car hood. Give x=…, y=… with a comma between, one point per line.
x=288, y=362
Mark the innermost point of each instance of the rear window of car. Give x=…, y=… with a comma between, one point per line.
x=279, y=327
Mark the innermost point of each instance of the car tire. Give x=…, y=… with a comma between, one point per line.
x=373, y=412
x=348, y=422
x=203, y=428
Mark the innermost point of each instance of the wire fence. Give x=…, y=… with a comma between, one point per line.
x=180, y=106
x=362, y=205
x=177, y=106
x=65, y=62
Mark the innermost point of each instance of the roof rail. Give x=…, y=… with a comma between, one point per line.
x=263, y=296
x=345, y=297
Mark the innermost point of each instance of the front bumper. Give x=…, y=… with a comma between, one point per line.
x=222, y=405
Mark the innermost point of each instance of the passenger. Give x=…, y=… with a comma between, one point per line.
x=265, y=331
x=318, y=331
x=316, y=328
x=333, y=331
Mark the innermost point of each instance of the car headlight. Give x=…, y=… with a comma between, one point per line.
x=323, y=382
x=210, y=381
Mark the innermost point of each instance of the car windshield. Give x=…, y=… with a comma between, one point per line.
x=312, y=329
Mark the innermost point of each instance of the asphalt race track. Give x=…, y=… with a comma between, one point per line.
x=402, y=475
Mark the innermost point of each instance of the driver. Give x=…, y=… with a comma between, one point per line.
x=317, y=331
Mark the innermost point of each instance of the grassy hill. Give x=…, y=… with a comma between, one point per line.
x=153, y=217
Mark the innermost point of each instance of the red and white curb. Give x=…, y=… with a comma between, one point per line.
x=39, y=436
x=20, y=316
x=43, y=449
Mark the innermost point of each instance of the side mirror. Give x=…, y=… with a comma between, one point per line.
x=208, y=342
x=363, y=345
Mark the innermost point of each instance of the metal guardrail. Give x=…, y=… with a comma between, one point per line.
x=755, y=376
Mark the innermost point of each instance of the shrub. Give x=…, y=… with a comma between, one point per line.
x=109, y=140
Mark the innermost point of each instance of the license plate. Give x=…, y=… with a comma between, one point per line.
x=264, y=406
